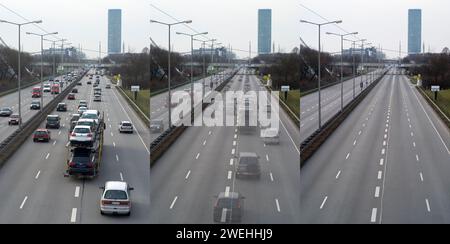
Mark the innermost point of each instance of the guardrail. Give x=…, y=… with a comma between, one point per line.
x=435, y=107
x=161, y=144
x=313, y=143
x=12, y=143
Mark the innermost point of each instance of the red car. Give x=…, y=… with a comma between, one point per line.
x=71, y=96
x=36, y=93
x=41, y=135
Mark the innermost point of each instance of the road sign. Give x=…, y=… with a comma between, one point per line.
x=135, y=88
x=435, y=88
x=285, y=88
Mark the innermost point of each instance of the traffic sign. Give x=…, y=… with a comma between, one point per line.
x=135, y=88
x=285, y=88
x=435, y=88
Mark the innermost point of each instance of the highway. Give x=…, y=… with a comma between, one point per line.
x=202, y=163
x=35, y=190
x=387, y=163
x=331, y=103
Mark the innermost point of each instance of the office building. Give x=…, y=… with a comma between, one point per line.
x=264, y=31
x=414, y=31
x=114, y=31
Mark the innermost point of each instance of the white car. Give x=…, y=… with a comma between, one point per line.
x=87, y=122
x=126, y=127
x=271, y=136
x=47, y=88
x=97, y=98
x=91, y=114
x=115, y=198
x=81, y=110
x=81, y=134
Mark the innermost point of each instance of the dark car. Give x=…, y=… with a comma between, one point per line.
x=6, y=112
x=71, y=96
x=79, y=83
x=89, y=82
x=53, y=121
x=41, y=135
x=82, y=162
x=248, y=165
x=156, y=126
x=62, y=107
x=74, y=90
x=228, y=207
x=14, y=120
x=35, y=105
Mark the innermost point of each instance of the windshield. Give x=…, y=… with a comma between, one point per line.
x=116, y=194
x=89, y=116
x=248, y=160
x=85, y=123
x=52, y=119
x=228, y=203
x=126, y=124
x=40, y=133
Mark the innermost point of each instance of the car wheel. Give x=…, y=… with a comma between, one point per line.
x=128, y=214
x=34, y=140
x=102, y=213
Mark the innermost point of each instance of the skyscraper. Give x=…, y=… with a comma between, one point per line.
x=114, y=30
x=414, y=31
x=264, y=31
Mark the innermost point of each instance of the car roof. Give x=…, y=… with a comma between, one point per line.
x=42, y=130
x=86, y=120
x=116, y=185
x=232, y=195
x=83, y=127
x=125, y=121
x=248, y=154
x=53, y=116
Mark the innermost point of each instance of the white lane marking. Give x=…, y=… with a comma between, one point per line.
x=383, y=151
x=359, y=133
x=210, y=132
x=173, y=202
x=67, y=144
x=37, y=175
x=354, y=143
x=428, y=205
x=121, y=176
x=112, y=134
x=267, y=157
x=77, y=192
x=235, y=136
x=117, y=158
x=114, y=144
x=224, y=215
x=338, y=174
x=198, y=155
x=73, y=217
x=23, y=202
x=278, y=205
x=412, y=134
x=385, y=136
x=231, y=162
x=384, y=143
x=227, y=191
x=348, y=155
x=233, y=151
x=421, y=176
x=323, y=202
x=48, y=155
x=380, y=175
x=54, y=143
x=382, y=161
x=187, y=175
x=386, y=131
x=417, y=157
x=59, y=133
x=377, y=192
x=414, y=144
x=110, y=126
x=204, y=143
x=271, y=176
x=387, y=125
x=234, y=143
x=373, y=218
x=230, y=175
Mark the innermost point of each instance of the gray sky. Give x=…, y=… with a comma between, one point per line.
x=233, y=22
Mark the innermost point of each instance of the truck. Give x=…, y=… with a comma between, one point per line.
x=84, y=159
x=36, y=92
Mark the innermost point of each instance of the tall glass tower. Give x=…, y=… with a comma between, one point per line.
x=114, y=31
x=414, y=31
x=264, y=31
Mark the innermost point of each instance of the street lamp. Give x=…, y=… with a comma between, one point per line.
x=53, y=54
x=42, y=62
x=192, y=69
x=354, y=66
x=342, y=64
x=169, y=25
x=319, y=70
x=204, y=63
x=19, y=76
x=363, y=52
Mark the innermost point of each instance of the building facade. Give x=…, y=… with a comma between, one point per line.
x=114, y=31
x=264, y=31
x=414, y=31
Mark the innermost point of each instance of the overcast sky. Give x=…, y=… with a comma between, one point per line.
x=234, y=22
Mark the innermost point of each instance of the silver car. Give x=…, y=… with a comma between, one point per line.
x=115, y=198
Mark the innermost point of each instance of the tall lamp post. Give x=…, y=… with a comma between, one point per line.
x=204, y=63
x=319, y=25
x=354, y=64
x=192, y=68
x=42, y=60
x=169, y=25
x=342, y=63
x=19, y=75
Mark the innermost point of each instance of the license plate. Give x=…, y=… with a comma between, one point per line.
x=115, y=203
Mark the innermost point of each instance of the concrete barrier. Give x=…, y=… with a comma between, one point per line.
x=11, y=144
x=313, y=143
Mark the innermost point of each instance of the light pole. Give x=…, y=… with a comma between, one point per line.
x=53, y=54
x=212, y=60
x=319, y=68
x=204, y=65
x=42, y=64
x=169, y=25
x=342, y=63
x=363, y=52
x=62, y=52
x=354, y=66
x=19, y=75
x=192, y=69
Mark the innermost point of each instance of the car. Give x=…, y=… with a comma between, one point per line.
x=95, y=85
x=82, y=109
x=83, y=103
x=82, y=162
x=74, y=90
x=91, y=114
x=82, y=134
x=36, y=92
x=14, y=120
x=86, y=122
x=248, y=165
x=35, y=105
x=228, y=207
x=115, y=198
x=126, y=127
x=6, y=112
x=79, y=83
x=271, y=135
x=53, y=122
x=73, y=121
x=156, y=126
x=97, y=98
x=98, y=90
x=71, y=96
x=89, y=82
x=108, y=86
x=47, y=88
x=62, y=107
x=41, y=135
x=55, y=89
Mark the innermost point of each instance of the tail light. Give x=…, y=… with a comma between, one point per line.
x=125, y=203
x=72, y=164
x=89, y=135
x=104, y=202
